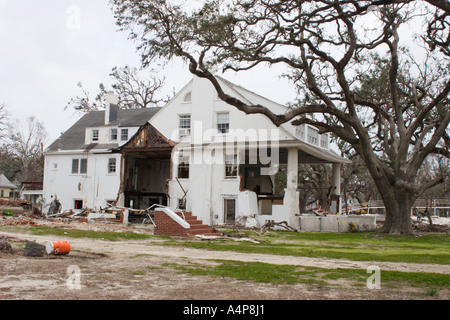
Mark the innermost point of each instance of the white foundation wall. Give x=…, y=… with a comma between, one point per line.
x=94, y=188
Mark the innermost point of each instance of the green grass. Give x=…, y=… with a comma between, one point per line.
x=75, y=233
x=252, y=271
x=433, y=248
x=287, y=274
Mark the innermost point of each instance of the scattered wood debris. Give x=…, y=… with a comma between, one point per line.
x=271, y=224
x=26, y=205
x=205, y=237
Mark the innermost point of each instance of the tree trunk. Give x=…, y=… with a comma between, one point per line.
x=398, y=211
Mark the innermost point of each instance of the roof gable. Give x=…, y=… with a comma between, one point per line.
x=74, y=137
x=5, y=183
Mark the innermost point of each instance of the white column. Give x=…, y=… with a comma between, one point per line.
x=336, y=183
x=291, y=197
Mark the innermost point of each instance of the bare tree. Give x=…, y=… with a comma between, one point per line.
x=133, y=89
x=325, y=46
x=26, y=140
x=3, y=120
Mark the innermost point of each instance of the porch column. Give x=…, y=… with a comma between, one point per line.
x=336, y=188
x=291, y=197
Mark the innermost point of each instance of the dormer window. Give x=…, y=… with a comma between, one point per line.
x=113, y=134
x=324, y=140
x=313, y=136
x=124, y=134
x=300, y=131
x=188, y=97
x=94, y=135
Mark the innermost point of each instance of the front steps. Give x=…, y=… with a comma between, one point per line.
x=168, y=227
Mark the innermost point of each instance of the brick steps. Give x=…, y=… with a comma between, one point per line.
x=166, y=226
x=197, y=226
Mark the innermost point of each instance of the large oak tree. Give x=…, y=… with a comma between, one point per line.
x=334, y=51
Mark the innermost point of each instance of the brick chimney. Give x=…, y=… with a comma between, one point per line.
x=112, y=107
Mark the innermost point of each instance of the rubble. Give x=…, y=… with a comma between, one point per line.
x=5, y=246
x=26, y=205
x=33, y=249
x=205, y=237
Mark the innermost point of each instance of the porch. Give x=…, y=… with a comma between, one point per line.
x=275, y=196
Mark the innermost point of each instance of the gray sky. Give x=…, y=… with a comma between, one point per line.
x=48, y=46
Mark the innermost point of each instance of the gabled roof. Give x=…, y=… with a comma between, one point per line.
x=147, y=138
x=250, y=97
x=74, y=139
x=5, y=183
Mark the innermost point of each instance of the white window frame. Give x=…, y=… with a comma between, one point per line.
x=79, y=166
x=122, y=134
x=112, y=164
x=313, y=136
x=233, y=165
x=111, y=134
x=183, y=120
x=188, y=97
x=183, y=164
x=95, y=135
x=300, y=131
x=223, y=122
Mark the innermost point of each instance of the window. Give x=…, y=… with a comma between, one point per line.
x=79, y=166
x=223, y=122
x=300, y=131
x=113, y=134
x=185, y=125
x=112, y=165
x=124, y=134
x=94, y=135
x=182, y=204
x=231, y=166
x=188, y=97
x=324, y=138
x=185, y=121
x=78, y=204
x=183, y=166
x=2, y=193
x=313, y=136
x=83, y=166
x=75, y=163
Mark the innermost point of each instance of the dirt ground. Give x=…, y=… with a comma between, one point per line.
x=139, y=270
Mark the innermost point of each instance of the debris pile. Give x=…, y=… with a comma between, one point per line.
x=19, y=221
x=5, y=246
x=33, y=249
x=26, y=205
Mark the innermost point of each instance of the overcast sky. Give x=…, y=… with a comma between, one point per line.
x=48, y=46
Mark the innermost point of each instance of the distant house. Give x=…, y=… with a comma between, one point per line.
x=32, y=191
x=81, y=169
x=6, y=188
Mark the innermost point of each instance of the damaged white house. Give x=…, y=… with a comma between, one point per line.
x=197, y=153
x=80, y=169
